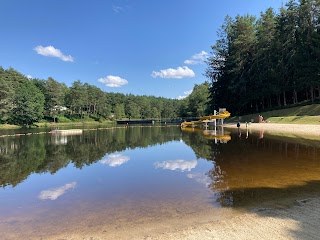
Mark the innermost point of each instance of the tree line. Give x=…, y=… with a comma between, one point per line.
x=25, y=101
x=267, y=62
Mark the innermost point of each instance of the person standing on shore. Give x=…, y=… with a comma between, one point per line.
x=239, y=132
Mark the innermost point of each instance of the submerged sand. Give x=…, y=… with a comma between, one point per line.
x=299, y=221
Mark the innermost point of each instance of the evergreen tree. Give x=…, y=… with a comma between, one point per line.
x=28, y=105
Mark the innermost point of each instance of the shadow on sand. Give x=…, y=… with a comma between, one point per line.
x=298, y=203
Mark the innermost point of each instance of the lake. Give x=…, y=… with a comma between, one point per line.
x=126, y=181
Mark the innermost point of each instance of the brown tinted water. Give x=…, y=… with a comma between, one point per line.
x=146, y=179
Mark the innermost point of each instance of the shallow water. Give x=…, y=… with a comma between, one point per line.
x=109, y=179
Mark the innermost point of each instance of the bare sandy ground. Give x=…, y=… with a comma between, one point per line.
x=299, y=129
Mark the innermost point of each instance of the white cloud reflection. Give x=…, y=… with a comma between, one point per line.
x=200, y=178
x=53, y=194
x=115, y=160
x=182, y=165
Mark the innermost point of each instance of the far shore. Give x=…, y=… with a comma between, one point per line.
x=300, y=129
x=52, y=124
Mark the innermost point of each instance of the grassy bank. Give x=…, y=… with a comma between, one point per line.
x=309, y=114
x=8, y=126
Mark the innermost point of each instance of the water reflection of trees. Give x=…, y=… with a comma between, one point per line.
x=253, y=170
x=24, y=155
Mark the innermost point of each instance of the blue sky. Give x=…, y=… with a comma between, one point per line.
x=143, y=47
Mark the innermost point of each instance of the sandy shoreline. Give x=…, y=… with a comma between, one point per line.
x=299, y=129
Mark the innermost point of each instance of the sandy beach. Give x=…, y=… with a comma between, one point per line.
x=295, y=129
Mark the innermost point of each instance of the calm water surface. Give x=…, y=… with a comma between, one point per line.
x=141, y=175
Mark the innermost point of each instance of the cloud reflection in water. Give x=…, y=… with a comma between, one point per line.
x=200, y=178
x=54, y=193
x=182, y=165
x=115, y=160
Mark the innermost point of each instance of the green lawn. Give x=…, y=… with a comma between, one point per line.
x=8, y=126
x=309, y=114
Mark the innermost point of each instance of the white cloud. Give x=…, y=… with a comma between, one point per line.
x=115, y=160
x=200, y=178
x=197, y=58
x=54, y=193
x=186, y=94
x=179, y=164
x=51, y=51
x=190, y=62
x=117, y=9
x=29, y=76
x=113, y=81
x=180, y=72
x=181, y=97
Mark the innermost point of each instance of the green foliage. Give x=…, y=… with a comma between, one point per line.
x=119, y=111
x=269, y=62
x=304, y=114
x=62, y=119
x=6, y=98
x=87, y=119
x=28, y=105
x=198, y=100
x=54, y=97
